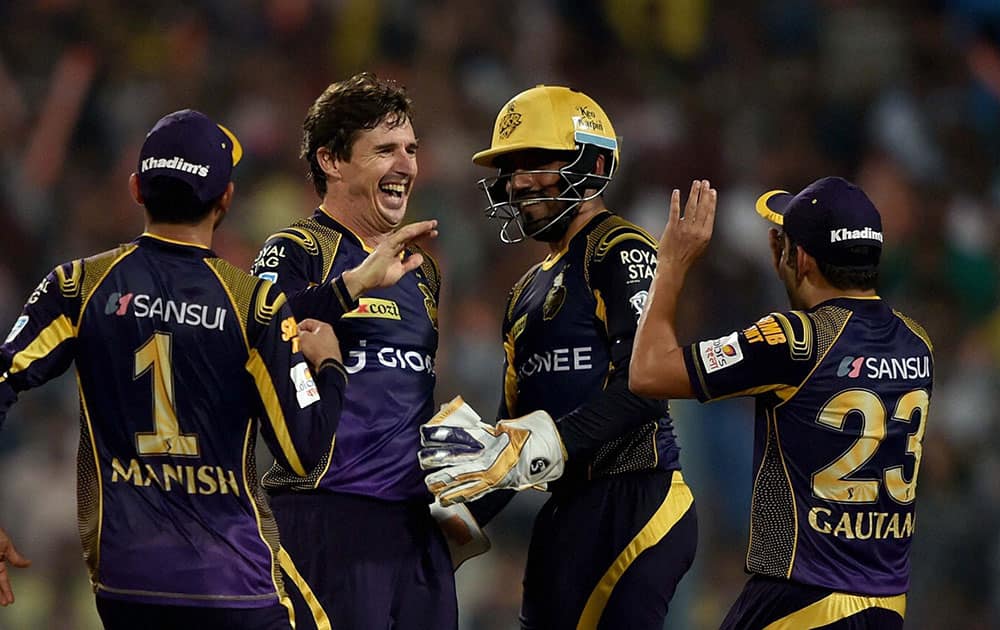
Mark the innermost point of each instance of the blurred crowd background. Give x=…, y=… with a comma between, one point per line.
x=901, y=96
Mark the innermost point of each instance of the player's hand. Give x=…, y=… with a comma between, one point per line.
x=386, y=265
x=520, y=453
x=685, y=237
x=318, y=342
x=8, y=555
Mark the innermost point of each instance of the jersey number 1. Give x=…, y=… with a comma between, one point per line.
x=167, y=439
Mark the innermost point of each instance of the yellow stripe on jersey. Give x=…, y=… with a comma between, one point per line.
x=273, y=546
x=316, y=608
x=835, y=607
x=42, y=345
x=255, y=366
x=264, y=311
x=676, y=505
x=510, y=376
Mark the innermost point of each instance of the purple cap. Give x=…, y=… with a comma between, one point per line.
x=832, y=219
x=188, y=146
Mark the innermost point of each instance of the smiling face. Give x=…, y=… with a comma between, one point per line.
x=374, y=185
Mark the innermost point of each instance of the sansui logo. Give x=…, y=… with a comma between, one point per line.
x=843, y=234
x=175, y=163
x=850, y=367
x=145, y=306
x=117, y=304
x=893, y=368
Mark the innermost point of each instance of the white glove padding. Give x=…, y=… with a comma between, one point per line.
x=520, y=453
x=466, y=539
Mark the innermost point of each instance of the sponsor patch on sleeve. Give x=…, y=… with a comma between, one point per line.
x=305, y=387
x=720, y=353
x=19, y=325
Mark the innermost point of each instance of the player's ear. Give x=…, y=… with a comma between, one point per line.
x=805, y=263
x=601, y=165
x=329, y=163
x=133, y=188
x=227, y=197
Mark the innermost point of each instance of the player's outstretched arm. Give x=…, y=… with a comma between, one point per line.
x=477, y=458
x=657, y=369
x=387, y=264
x=8, y=555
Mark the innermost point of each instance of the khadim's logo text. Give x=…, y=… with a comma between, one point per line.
x=175, y=163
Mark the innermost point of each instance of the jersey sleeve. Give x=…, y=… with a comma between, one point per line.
x=41, y=344
x=296, y=266
x=300, y=413
x=771, y=354
x=620, y=274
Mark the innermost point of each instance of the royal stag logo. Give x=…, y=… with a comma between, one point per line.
x=509, y=122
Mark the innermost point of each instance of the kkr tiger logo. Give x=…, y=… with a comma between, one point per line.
x=555, y=297
x=510, y=121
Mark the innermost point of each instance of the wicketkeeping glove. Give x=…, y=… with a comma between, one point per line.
x=477, y=458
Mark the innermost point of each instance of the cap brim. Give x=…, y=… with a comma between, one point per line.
x=772, y=205
x=237, y=149
x=489, y=156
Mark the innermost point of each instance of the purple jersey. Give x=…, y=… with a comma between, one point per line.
x=842, y=395
x=180, y=358
x=389, y=339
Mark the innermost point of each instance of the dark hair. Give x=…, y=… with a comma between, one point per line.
x=343, y=111
x=843, y=278
x=171, y=200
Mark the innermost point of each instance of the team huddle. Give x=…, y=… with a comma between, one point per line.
x=326, y=350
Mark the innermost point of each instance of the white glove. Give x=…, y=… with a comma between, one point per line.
x=466, y=539
x=520, y=453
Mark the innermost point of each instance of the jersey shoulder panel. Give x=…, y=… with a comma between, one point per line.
x=256, y=301
x=324, y=240
x=917, y=329
x=607, y=235
x=81, y=278
x=828, y=323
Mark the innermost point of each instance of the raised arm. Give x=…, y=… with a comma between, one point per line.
x=657, y=369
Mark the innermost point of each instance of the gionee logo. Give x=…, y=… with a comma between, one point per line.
x=117, y=304
x=850, y=367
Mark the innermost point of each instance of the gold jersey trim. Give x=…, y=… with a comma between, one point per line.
x=58, y=331
x=319, y=615
x=834, y=607
x=676, y=504
x=258, y=370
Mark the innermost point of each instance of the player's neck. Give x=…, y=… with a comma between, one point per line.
x=812, y=295
x=368, y=234
x=199, y=234
x=588, y=210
